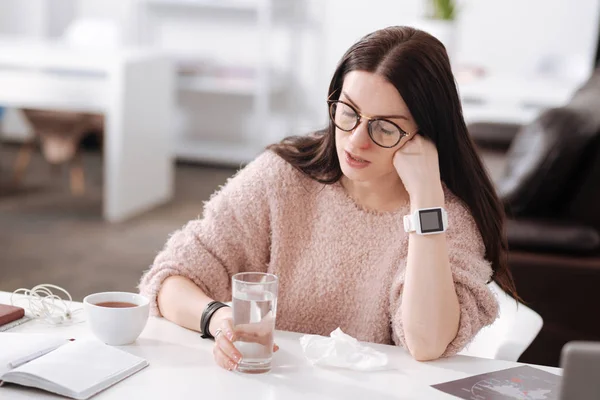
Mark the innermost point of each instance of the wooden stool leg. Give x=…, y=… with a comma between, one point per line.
x=77, y=176
x=22, y=162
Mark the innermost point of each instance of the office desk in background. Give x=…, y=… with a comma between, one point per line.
x=133, y=88
x=182, y=367
x=512, y=99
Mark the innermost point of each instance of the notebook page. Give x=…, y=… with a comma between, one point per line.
x=82, y=365
x=19, y=348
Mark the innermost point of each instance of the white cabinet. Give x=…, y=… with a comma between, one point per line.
x=236, y=63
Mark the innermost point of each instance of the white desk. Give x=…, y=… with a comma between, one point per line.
x=516, y=100
x=182, y=367
x=133, y=88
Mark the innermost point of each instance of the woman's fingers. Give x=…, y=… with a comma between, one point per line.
x=226, y=355
x=228, y=348
x=225, y=341
x=228, y=331
x=222, y=360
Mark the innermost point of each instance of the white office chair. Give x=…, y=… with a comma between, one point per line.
x=510, y=335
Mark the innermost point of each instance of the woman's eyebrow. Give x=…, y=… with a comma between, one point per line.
x=379, y=116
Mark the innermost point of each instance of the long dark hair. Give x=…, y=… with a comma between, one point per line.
x=417, y=64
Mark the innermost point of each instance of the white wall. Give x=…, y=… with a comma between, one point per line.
x=35, y=18
x=22, y=17
x=516, y=36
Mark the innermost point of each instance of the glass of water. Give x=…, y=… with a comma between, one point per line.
x=254, y=310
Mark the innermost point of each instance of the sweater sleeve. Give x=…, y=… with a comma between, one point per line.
x=470, y=270
x=232, y=236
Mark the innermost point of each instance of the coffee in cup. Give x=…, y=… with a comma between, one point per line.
x=116, y=318
x=116, y=304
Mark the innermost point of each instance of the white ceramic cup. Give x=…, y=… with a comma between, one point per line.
x=116, y=326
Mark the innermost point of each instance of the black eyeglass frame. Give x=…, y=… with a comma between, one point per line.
x=359, y=118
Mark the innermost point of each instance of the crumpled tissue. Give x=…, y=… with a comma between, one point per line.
x=342, y=351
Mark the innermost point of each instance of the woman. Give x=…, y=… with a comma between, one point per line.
x=326, y=214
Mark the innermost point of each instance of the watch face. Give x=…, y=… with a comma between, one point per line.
x=431, y=220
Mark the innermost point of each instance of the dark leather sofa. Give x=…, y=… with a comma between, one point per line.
x=551, y=190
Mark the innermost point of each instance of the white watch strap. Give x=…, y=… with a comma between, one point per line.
x=409, y=223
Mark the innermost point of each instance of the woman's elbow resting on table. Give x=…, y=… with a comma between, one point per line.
x=426, y=341
x=425, y=347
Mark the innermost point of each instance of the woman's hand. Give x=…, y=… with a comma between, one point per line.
x=221, y=327
x=418, y=166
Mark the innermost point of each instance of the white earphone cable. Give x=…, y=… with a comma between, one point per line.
x=44, y=305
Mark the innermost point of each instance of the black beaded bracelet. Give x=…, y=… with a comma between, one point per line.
x=207, y=314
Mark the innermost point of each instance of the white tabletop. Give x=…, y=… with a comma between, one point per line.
x=46, y=54
x=32, y=89
x=182, y=366
x=532, y=91
x=52, y=75
x=513, y=99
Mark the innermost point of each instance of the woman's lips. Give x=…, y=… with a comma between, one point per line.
x=355, y=162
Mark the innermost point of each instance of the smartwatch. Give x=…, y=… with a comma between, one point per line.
x=426, y=221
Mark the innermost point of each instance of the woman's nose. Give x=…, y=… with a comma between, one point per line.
x=360, y=136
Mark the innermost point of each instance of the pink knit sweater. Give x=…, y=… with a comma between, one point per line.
x=338, y=264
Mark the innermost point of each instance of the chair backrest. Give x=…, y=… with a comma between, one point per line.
x=510, y=335
x=548, y=160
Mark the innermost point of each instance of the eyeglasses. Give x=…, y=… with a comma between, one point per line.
x=382, y=132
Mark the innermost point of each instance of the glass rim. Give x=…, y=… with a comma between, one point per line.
x=273, y=278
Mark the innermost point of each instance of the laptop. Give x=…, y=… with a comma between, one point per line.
x=581, y=371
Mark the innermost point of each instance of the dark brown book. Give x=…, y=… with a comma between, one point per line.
x=10, y=313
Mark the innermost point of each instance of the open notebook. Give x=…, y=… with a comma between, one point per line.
x=77, y=369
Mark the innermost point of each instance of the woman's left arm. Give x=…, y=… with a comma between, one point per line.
x=440, y=299
x=430, y=309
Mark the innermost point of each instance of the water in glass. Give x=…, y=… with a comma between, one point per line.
x=254, y=319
